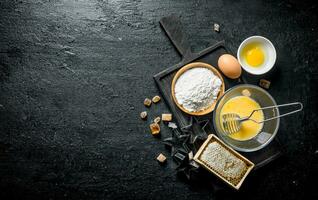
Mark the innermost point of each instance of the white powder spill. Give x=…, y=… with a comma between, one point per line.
x=197, y=89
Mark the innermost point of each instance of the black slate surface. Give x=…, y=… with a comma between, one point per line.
x=73, y=75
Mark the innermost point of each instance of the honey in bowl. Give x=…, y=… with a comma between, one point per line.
x=253, y=54
x=244, y=106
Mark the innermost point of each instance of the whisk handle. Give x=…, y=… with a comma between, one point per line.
x=282, y=115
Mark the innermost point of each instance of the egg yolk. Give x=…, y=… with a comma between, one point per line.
x=244, y=106
x=253, y=54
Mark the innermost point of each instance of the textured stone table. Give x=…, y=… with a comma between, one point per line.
x=73, y=76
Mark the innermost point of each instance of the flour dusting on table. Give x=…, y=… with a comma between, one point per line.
x=197, y=89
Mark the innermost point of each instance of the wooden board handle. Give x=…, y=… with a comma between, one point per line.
x=173, y=28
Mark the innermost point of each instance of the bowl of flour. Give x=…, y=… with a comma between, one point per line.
x=196, y=87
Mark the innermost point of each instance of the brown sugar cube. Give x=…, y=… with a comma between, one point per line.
x=143, y=115
x=246, y=93
x=166, y=117
x=161, y=158
x=156, y=99
x=147, y=102
x=155, y=128
x=216, y=27
x=264, y=83
x=157, y=120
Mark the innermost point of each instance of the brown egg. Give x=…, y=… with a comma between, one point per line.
x=229, y=66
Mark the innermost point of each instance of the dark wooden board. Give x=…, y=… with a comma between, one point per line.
x=210, y=55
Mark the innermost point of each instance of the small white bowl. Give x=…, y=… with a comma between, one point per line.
x=270, y=55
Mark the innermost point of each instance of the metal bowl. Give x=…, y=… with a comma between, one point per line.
x=270, y=128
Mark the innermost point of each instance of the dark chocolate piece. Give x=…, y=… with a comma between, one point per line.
x=264, y=83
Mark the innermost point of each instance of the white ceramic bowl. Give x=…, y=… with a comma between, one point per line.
x=269, y=51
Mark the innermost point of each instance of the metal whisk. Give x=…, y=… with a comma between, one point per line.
x=232, y=122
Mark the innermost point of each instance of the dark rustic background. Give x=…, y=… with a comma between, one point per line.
x=73, y=76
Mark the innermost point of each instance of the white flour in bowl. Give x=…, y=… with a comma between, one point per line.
x=197, y=89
